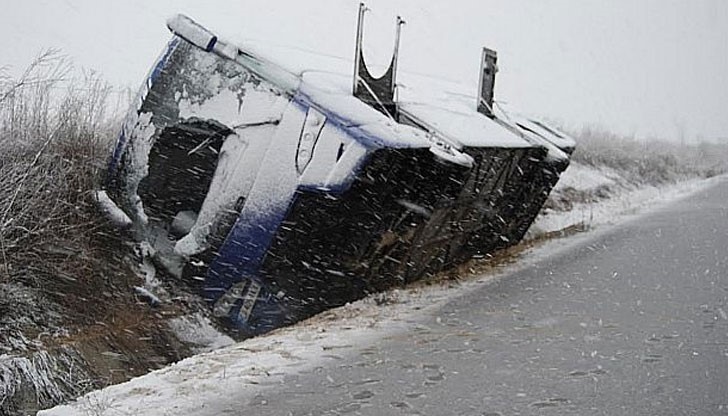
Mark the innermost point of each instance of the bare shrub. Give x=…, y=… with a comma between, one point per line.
x=54, y=136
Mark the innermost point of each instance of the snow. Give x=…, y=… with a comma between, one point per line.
x=111, y=211
x=142, y=130
x=467, y=129
x=583, y=177
x=277, y=178
x=41, y=369
x=623, y=199
x=223, y=107
x=297, y=60
x=226, y=379
x=197, y=330
x=538, y=127
x=331, y=93
x=326, y=170
x=226, y=107
x=150, y=297
x=145, y=252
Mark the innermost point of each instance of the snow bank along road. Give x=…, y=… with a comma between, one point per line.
x=629, y=320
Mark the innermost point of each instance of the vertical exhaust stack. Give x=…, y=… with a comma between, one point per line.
x=488, y=69
x=378, y=93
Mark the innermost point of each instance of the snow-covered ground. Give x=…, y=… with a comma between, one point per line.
x=609, y=198
x=223, y=380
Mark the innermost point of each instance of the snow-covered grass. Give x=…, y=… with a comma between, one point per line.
x=611, y=173
x=588, y=197
x=652, y=162
x=54, y=265
x=51, y=375
x=54, y=135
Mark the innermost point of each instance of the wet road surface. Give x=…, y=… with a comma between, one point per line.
x=634, y=321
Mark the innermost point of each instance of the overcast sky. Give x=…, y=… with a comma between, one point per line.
x=647, y=68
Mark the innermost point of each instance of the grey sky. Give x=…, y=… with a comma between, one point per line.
x=647, y=68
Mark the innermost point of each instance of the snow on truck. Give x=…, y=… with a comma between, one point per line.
x=280, y=186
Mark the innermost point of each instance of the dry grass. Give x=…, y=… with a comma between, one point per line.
x=54, y=136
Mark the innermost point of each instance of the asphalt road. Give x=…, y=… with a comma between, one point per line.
x=633, y=321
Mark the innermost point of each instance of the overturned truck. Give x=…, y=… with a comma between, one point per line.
x=280, y=187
